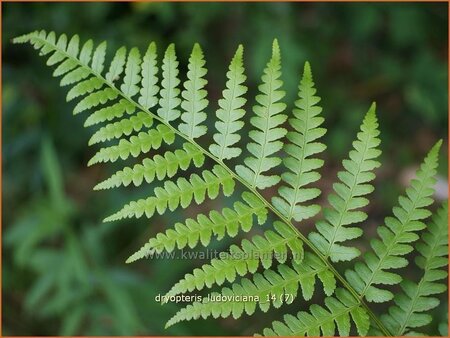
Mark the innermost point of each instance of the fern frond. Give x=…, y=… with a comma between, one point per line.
x=396, y=236
x=304, y=143
x=136, y=145
x=132, y=73
x=349, y=194
x=180, y=193
x=94, y=99
x=194, y=96
x=110, y=112
x=159, y=166
x=117, y=65
x=123, y=127
x=244, y=258
x=122, y=105
x=86, y=51
x=265, y=290
x=408, y=313
x=98, y=58
x=169, y=100
x=340, y=311
x=230, y=112
x=74, y=76
x=84, y=87
x=267, y=122
x=200, y=231
x=149, y=89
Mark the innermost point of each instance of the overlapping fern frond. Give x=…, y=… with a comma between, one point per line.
x=137, y=108
x=411, y=305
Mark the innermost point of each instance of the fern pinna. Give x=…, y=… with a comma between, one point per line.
x=138, y=108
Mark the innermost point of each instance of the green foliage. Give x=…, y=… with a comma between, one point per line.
x=194, y=232
x=396, y=236
x=65, y=284
x=194, y=96
x=264, y=290
x=303, y=144
x=324, y=321
x=408, y=313
x=300, y=259
x=349, y=194
x=169, y=100
x=244, y=259
x=267, y=134
x=230, y=111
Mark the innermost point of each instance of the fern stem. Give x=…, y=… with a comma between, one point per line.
x=236, y=177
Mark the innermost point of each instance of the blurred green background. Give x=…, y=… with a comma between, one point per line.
x=63, y=269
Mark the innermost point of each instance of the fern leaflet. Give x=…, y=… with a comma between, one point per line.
x=267, y=134
x=230, y=112
x=306, y=122
x=415, y=299
x=349, y=194
x=396, y=236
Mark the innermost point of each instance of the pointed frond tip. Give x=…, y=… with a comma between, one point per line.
x=294, y=196
x=275, y=48
x=307, y=72
x=350, y=195
x=267, y=132
x=230, y=111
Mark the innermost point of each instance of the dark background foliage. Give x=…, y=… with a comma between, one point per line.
x=64, y=271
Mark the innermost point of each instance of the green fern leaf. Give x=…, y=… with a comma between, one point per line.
x=74, y=76
x=150, y=89
x=132, y=70
x=117, y=65
x=230, y=112
x=169, y=100
x=265, y=290
x=136, y=145
x=408, y=313
x=180, y=193
x=244, y=258
x=200, y=231
x=94, y=99
x=110, y=112
x=267, y=122
x=119, y=104
x=98, y=59
x=194, y=96
x=349, y=195
x=84, y=87
x=159, y=166
x=86, y=51
x=306, y=124
x=324, y=321
x=396, y=236
x=123, y=127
